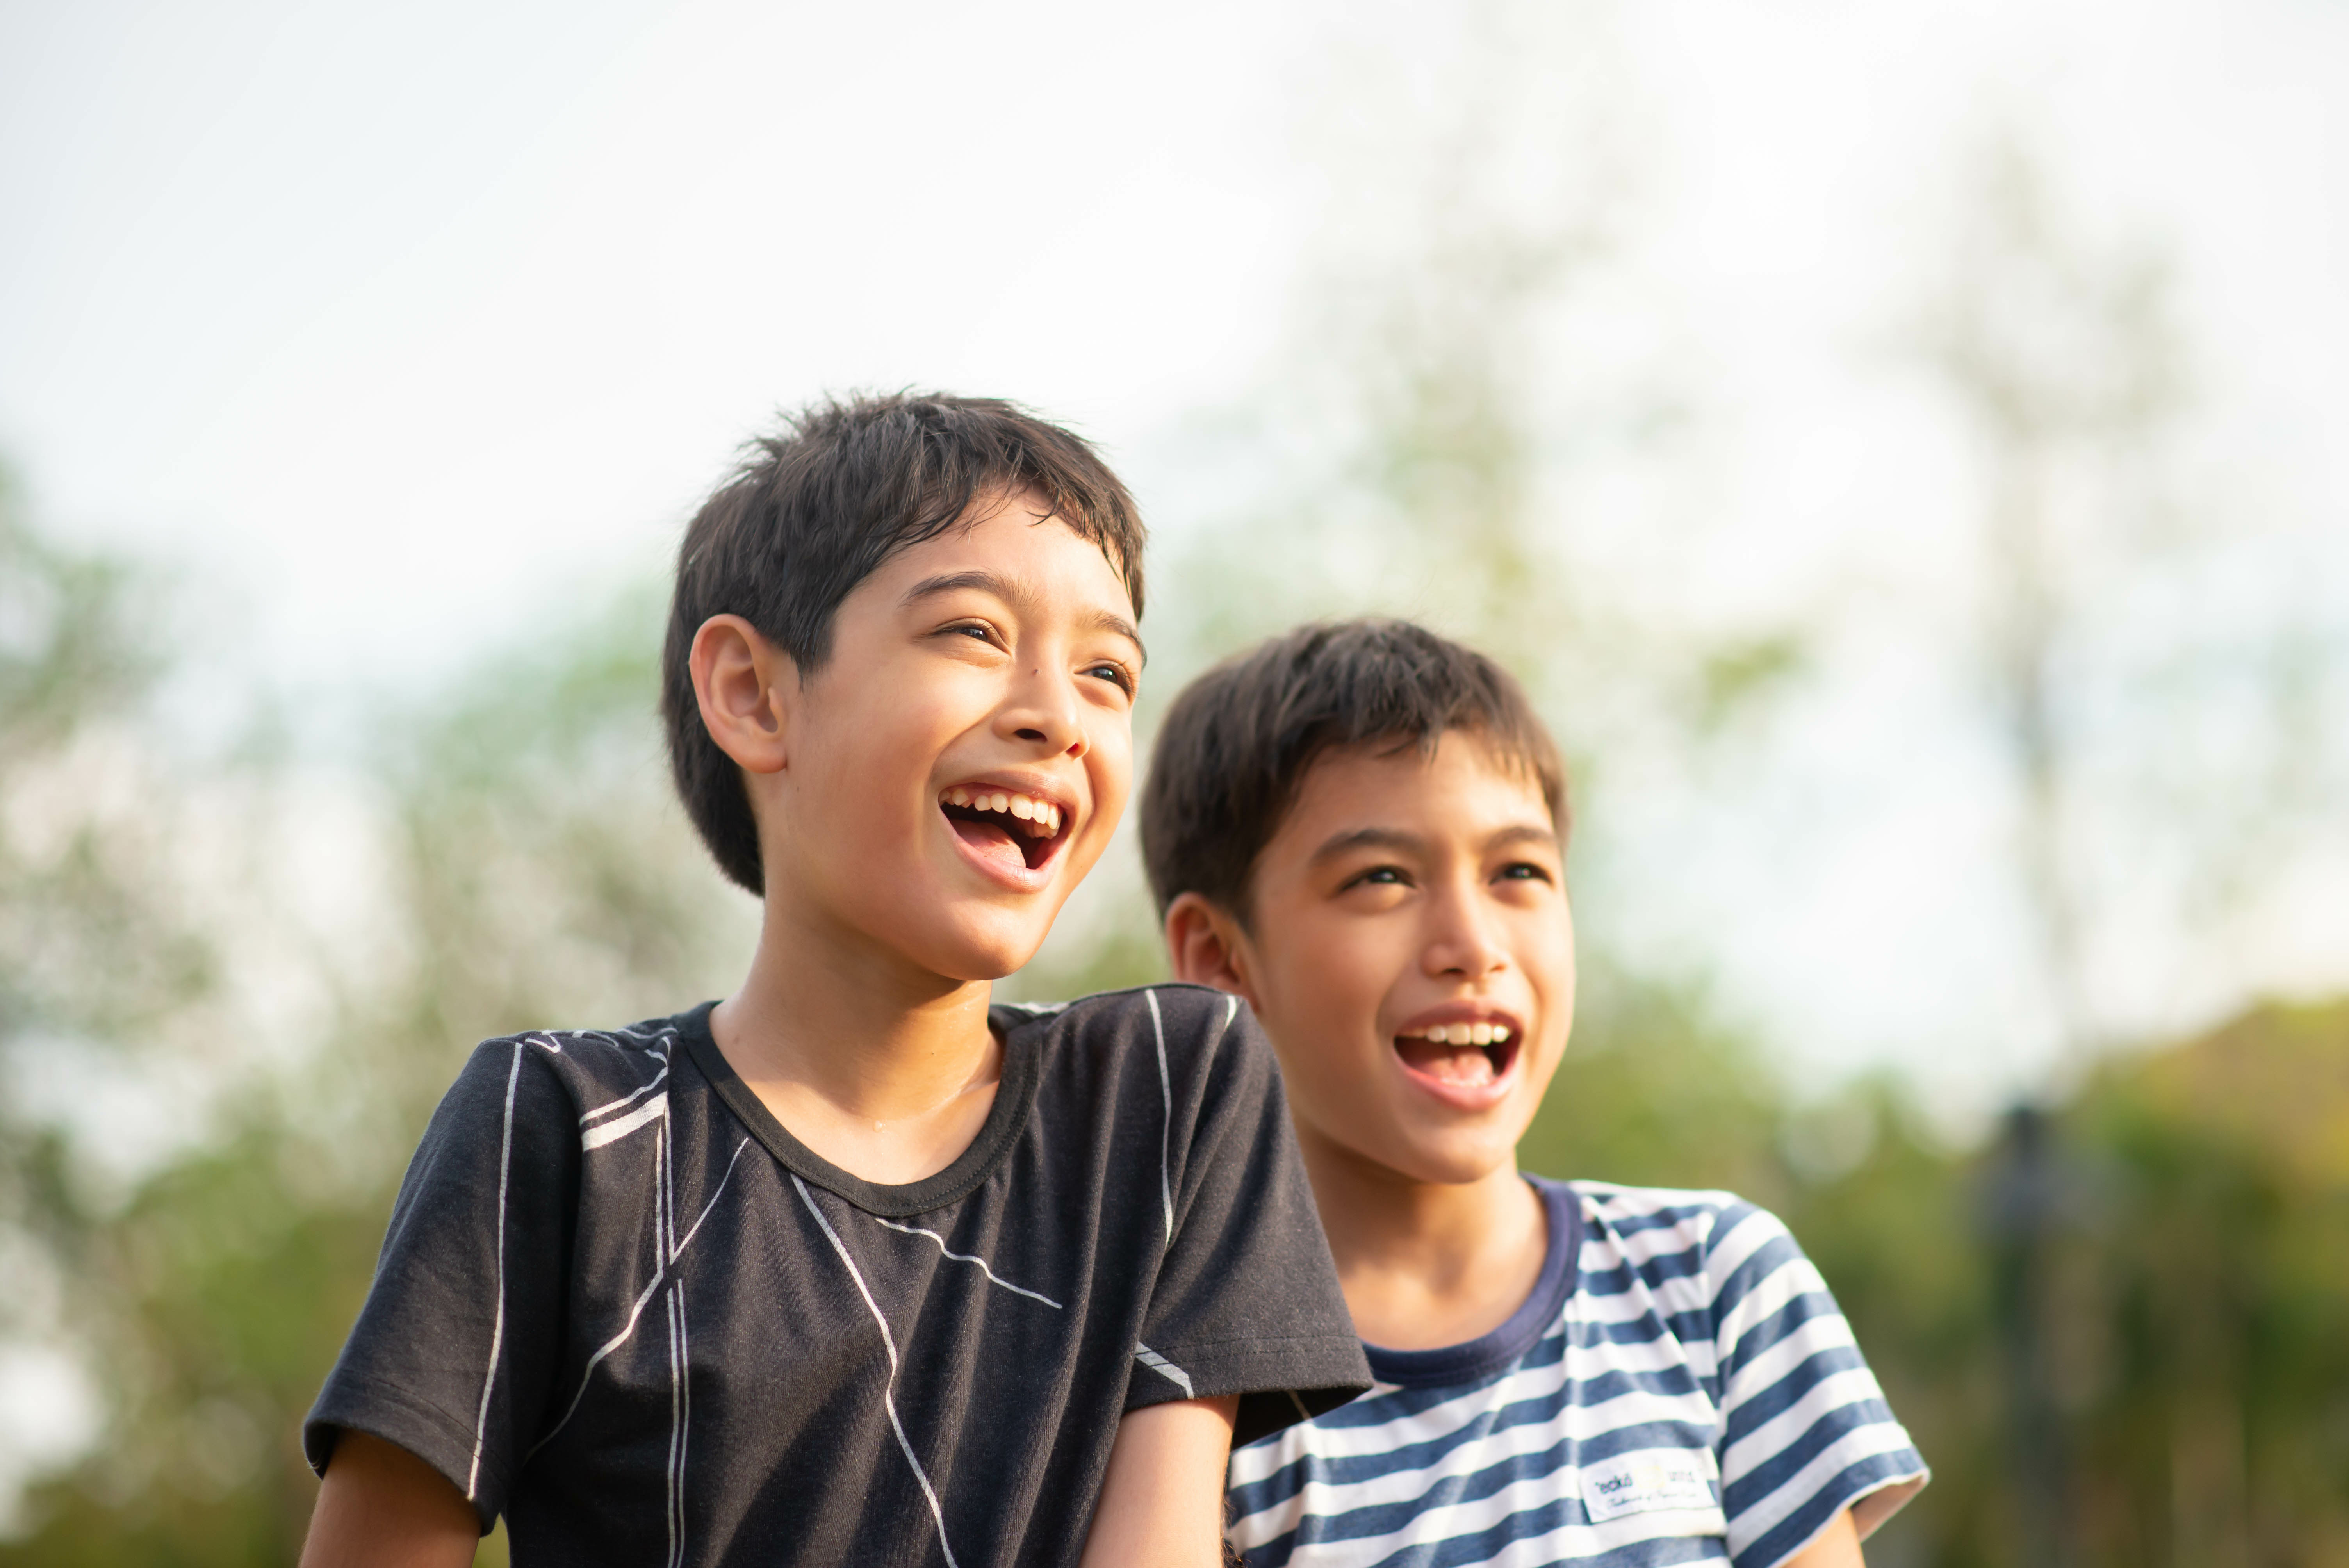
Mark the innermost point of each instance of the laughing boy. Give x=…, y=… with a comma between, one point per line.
x=852, y=1266
x=1361, y=829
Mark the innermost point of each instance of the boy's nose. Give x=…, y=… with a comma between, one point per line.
x=1461, y=942
x=1043, y=713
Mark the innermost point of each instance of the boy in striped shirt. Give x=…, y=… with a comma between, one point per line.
x=1360, y=828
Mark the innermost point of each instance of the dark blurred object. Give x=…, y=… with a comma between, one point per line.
x=2219, y=1432
x=2031, y=1204
x=2120, y=1335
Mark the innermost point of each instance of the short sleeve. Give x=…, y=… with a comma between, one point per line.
x=454, y=1350
x=1805, y=1429
x=1247, y=1300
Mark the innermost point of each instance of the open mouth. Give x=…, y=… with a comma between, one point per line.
x=1470, y=1055
x=1019, y=832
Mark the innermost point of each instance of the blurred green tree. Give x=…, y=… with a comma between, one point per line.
x=100, y=953
x=2064, y=356
x=538, y=871
x=2067, y=364
x=2213, y=1407
x=535, y=870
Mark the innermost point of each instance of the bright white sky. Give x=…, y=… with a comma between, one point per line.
x=400, y=325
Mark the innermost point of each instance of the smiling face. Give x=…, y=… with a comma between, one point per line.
x=1410, y=953
x=961, y=758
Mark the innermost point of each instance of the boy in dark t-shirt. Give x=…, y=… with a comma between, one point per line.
x=852, y=1266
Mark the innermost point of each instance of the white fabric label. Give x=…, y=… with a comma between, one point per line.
x=1644, y=1483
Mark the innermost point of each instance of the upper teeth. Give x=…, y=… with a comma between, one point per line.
x=1464, y=1034
x=1044, y=815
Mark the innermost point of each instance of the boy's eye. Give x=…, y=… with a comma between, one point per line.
x=1525, y=871
x=976, y=631
x=1380, y=876
x=1117, y=674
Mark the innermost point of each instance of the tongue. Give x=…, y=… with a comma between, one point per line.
x=992, y=840
x=1452, y=1064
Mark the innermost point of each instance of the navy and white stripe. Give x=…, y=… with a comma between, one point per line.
x=1679, y=1387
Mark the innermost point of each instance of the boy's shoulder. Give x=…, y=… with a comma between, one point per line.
x=579, y=1087
x=1632, y=1208
x=1168, y=999
x=1680, y=1228
x=1173, y=1018
x=585, y=1063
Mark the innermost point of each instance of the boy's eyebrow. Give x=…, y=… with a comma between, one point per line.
x=1119, y=627
x=1367, y=839
x=1395, y=838
x=989, y=582
x=984, y=581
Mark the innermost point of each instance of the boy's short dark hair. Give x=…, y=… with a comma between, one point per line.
x=1235, y=748
x=816, y=509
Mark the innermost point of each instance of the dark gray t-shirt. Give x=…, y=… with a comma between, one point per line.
x=621, y=1306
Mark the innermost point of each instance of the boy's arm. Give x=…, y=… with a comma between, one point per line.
x=467, y=1309
x=1162, y=1502
x=379, y=1506
x=1781, y=1344
x=1837, y=1546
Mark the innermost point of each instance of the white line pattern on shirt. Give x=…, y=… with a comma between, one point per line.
x=596, y=1360
x=888, y=1343
x=664, y=1257
x=498, y=1324
x=967, y=1258
x=652, y=1110
x=1142, y=1352
x=1165, y=1369
x=603, y=1111
x=1166, y=1128
x=680, y=1413
x=665, y=1168
x=688, y=1239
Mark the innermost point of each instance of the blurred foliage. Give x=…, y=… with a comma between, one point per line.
x=2198, y=1305
x=2182, y=1279
x=77, y=899
x=537, y=870
x=2189, y=1301
x=2223, y=1274
x=2068, y=368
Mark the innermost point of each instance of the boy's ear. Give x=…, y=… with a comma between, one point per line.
x=1206, y=947
x=743, y=683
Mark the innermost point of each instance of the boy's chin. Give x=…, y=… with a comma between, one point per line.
x=1448, y=1169
x=1456, y=1159
x=984, y=950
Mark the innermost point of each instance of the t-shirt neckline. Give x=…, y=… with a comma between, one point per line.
x=1493, y=1352
x=1015, y=1093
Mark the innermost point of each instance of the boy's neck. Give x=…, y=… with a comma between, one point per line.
x=1427, y=1264
x=884, y=1069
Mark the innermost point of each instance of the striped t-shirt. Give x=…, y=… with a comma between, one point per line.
x=1678, y=1387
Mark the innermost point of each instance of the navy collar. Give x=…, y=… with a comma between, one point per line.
x=1493, y=1352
